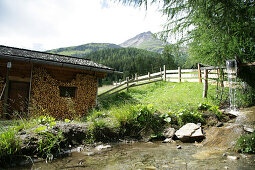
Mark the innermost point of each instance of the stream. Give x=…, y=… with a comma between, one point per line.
x=156, y=155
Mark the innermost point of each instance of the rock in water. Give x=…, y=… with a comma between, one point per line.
x=101, y=147
x=190, y=133
x=168, y=132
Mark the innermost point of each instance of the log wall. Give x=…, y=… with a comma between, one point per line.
x=45, y=95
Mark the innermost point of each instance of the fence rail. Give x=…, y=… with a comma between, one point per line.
x=207, y=74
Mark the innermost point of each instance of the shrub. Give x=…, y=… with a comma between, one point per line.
x=246, y=143
x=215, y=110
x=49, y=143
x=204, y=106
x=184, y=116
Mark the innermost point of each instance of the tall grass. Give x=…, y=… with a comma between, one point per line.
x=9, y=145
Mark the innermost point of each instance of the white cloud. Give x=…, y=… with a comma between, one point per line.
x=47, y=24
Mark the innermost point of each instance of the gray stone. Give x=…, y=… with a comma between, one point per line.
x=220, y=124
x=168, y=140
x=146, y=134
x=232, y=157
x=168, y=132
x=190, y=133
x=101, y=147
x=247, y=129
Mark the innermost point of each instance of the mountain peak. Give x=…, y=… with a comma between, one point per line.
x=146, y=41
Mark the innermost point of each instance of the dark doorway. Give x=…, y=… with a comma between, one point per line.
x=18, y=97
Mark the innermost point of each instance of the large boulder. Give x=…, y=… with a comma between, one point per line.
x=190, y=133
x=223, y=137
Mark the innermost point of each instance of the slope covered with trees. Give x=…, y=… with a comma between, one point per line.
x=82, y=50
x=131, y=61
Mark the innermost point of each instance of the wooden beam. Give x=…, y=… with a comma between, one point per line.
x=199, y=73
x=179, y=74
x=205, y=83
x=6, y=92
x=247, y=64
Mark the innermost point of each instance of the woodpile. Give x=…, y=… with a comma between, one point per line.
x=45, y=94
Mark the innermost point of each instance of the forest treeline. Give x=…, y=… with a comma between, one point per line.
x=133, y=60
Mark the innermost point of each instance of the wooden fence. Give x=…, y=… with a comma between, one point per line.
x=207, y=74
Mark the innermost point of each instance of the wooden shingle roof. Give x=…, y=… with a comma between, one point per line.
x=12, y=53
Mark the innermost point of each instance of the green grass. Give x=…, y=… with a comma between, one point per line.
x=156, y=104
x=167, y=96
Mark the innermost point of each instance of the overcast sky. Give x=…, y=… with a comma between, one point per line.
x=49, y=24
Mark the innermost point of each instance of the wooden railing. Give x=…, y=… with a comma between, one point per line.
x=207, y=74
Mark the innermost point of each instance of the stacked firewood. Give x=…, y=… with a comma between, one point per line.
x=45, y=95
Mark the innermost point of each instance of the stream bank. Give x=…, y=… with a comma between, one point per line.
x=131, y=154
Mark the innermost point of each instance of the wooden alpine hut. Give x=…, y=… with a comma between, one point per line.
x=36, y=83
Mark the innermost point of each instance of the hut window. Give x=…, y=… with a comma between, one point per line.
x=67, y=91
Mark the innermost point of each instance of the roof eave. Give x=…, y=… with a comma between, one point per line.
x=41, y=61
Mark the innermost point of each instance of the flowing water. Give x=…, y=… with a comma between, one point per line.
x=154, y=155
x=231, y=66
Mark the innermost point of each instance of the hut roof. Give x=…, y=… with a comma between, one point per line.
x=13, y=53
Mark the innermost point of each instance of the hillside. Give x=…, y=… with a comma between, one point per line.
x=131, y=61
x=82, y=50
x=145, y=41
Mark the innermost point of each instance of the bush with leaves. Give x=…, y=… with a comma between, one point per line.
x=246, y=143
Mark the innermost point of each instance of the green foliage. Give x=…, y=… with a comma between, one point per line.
x=49, y=143
x=9, y=145
x=204, y=106
x=45, y=120
x=245, y=96
x=246, y=143
x=40, y=128
x=215, y=110
x=184, y=116
x=67, y=121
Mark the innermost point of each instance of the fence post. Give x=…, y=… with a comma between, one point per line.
x=160, y=73
x=205, y=83
x=199, y=73
x=120, y=81
x=127, y=79
x=149, y=75
x=179, y=74
x=164, y=67
x=136, y=77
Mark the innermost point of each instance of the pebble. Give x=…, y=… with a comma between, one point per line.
x=167, y=140
x=150, y=167
x=179, y=147
x=243, y=156
x=100, y=147
x=233, y=157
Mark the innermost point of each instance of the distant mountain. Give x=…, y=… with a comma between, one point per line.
x=145, y=41
x=82, y=50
